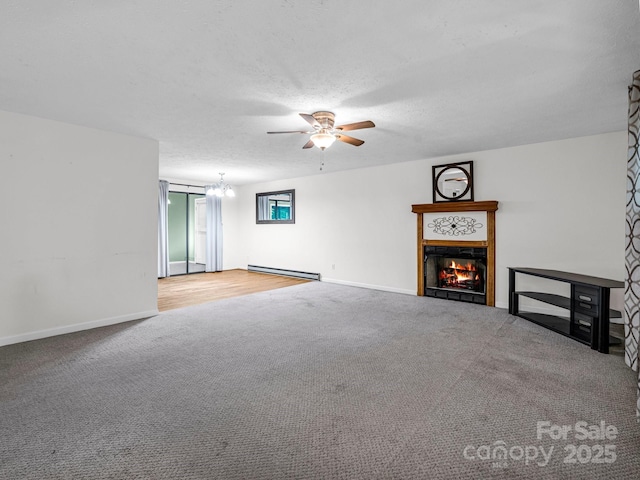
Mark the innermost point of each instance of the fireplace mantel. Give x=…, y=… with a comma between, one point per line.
x=486, y=206
x=489, y=206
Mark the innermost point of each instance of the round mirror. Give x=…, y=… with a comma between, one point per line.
x=453, y=182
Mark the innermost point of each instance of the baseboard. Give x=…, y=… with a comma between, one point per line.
x=284, y=272
x=51, y=332
x=369, y=286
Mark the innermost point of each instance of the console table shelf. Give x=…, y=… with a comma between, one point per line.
x=559, y=325
x=550, y=298
x=560, y=301
x=588, y=311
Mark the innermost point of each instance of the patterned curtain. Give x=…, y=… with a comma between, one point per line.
x=632, y=249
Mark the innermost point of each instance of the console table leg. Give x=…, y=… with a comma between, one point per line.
x=603, y=315
x=595, y=333
x=513, y=300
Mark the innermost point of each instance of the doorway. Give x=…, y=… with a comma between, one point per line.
x=187, y=232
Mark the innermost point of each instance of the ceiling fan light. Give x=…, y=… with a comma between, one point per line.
x=323, y=140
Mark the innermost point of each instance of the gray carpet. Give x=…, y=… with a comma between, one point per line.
x=316, y=381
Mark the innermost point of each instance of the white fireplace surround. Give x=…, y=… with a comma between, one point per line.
x=455, y=226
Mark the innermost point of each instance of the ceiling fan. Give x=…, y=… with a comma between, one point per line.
x=324, y=133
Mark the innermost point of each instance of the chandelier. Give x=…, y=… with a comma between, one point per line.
x=221, y=189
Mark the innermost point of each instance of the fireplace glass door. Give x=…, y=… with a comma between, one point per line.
x=459, y=274
x=456, y=273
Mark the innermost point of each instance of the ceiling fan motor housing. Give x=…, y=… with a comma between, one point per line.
x=325, y=119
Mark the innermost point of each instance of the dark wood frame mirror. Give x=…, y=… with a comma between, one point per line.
x=453, y=182
x=276, y=207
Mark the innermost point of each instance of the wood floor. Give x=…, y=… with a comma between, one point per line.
x=186, y=290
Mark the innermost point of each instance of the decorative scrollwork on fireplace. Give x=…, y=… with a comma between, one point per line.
x=455, y=226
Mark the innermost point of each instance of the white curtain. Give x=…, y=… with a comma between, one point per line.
x=214, y=232
x=163, y=235
x=263, y=207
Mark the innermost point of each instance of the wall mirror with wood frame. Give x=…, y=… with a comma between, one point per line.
x=276, y=207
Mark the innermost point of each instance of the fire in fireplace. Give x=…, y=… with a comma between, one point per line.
x=460, y=275
x=456, y=273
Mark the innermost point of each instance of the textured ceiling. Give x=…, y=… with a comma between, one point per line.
x=208, y=78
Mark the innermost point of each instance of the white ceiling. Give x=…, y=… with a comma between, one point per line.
x=209, y=78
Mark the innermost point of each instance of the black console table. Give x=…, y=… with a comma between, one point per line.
x=588, y=306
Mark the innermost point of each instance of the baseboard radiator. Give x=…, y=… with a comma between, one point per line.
x=286, y=273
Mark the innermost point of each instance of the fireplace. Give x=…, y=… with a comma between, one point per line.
x=457, y=250
x=455, y=273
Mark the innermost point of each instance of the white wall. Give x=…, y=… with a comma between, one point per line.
x=561, y=206
x=78, y=210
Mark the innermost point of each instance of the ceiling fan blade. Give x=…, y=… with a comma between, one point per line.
x=312, y=121
x=347, y=139
x=292, y=131
x=309, y=144
x=356, y=126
